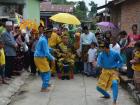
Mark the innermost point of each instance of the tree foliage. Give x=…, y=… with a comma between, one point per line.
x=62, y=2
x=58, y=1
x=80, y=10
x=93, y=10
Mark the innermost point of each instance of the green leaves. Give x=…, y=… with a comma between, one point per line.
x=93, y=10
x=80, y=10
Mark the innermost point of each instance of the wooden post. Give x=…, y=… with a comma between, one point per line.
x=105, y=11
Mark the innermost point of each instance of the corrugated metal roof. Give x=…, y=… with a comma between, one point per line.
x=119, y=1
x=49, y=7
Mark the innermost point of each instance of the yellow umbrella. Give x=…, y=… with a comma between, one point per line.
x=65, y=18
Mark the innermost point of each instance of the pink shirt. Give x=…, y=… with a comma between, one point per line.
x=132, y=39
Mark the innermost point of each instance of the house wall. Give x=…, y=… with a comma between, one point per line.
x=130, y=14
x=9, y=7
x=32, y=10
x=116, y=15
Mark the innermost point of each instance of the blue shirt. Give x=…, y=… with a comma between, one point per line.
x=109, y=60
x=42, y=48
x=87, y=39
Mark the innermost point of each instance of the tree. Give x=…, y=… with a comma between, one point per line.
x=81, y=10
x=93, y=10
x=62, y=2
x=58, y=1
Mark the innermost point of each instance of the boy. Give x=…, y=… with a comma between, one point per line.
x=114, y=45
x=92, y=54
x=110, y=61
x=136, y=65
x=2, y=62
x=42, y=56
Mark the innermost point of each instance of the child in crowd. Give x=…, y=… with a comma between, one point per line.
x=2, y=62
x=92, y=54
x=123, y=44
x=136, y=65
x=114, y=45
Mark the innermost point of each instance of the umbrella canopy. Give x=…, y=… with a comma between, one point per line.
x=65, y=18
x=107, y=25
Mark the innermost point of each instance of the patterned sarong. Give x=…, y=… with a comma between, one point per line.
x=106, y=78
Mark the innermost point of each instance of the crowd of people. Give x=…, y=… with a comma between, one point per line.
x=65, y=51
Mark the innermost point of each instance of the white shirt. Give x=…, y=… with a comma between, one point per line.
x=27, y=39
x=88, y=39
x=116, y=48
x=92, y=53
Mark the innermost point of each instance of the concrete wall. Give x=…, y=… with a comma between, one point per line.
x=130, y=14
x=32, y=10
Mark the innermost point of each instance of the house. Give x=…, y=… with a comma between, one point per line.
x=29, y=9
x=103, y=16
x=47, y=9
x=124, y=13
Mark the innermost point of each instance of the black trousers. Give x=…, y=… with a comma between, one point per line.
x=9, y=66
x=33, y=66
x=129, y=53
x=27, y=60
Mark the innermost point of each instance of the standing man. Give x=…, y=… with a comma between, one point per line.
x=42, y=57
x=10, y=48
x=110, y=61
x=85, y=41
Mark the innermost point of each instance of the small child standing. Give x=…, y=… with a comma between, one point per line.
x=2, y=62
x=123, y=44
x=136, y=65
x=92, y=55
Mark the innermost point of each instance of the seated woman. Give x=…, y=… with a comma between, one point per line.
x=65, y=59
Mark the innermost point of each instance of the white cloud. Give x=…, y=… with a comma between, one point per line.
x=99, y=2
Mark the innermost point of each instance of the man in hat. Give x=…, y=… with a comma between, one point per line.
x=10, y=48
x=110, y=61
x=42, y=57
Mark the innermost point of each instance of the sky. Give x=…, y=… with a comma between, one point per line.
x=99, y=2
